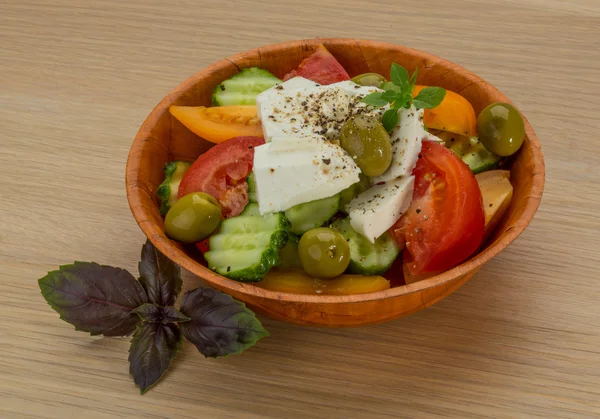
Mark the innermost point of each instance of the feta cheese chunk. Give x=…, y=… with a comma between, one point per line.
x=305, y=112
x=406, y=144
x=291, y=84
x=291, y=170
x=312, y=110
x=375, y=210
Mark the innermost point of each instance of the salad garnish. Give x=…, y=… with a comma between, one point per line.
x=108, y=301
x=399, y=94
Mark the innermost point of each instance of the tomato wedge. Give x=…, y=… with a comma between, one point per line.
x=222, y=172
x=445, y=221
x=320, y=67
x=219, y=123
x=455, y=114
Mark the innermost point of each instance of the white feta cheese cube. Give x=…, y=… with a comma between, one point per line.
x=281, y=89
x=375, y=210
x=406, y=144
x=291, y=170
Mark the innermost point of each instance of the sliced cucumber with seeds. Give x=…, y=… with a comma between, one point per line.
x=367, y=258
x=304, y=217
x=251, y=188
x=247, y=246
x=242, y=88
x=167, y=190
x=251, y=209
x=473, y=153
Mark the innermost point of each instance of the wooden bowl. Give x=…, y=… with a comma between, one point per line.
x=162, y=139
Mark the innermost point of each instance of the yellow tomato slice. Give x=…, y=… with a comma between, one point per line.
x=455, y=114
x=298, y=282
x=219, y=123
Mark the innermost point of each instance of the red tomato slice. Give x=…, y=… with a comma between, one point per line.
x=320, y=67
x=221, y=172
x=445, y=221
x=204, y=245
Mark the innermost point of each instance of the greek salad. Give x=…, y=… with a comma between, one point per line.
x=322, y=183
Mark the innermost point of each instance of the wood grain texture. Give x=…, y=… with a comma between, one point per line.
x=520, y=339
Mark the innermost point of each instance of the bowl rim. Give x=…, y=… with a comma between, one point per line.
x=137, y=194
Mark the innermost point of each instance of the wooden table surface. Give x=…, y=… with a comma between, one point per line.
x=521, y=339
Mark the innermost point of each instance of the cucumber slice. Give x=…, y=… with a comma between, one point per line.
x=367, y=258
x=473, y=153
x=167, y=190
x=251, y=188
x=353, y=191
x=253, y=224
x=251, y=209
x=304, y=217
x=242, y=88
x=247, y=246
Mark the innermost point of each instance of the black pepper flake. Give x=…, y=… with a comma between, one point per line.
x=279, y=87
x=491, y=205
x=420, y=156
x=228, y=268
x=222, y=87
x=326, y=161
x=418, y=211
x=250, y=147
x=272, y=170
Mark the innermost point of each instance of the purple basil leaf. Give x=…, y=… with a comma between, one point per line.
x=153, y=347
x=172, y=315
x=154, y=313
x=94, y=298
x=149, y=312
x=219, y=325
x=160, y=277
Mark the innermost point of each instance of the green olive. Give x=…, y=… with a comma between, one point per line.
x=193, y=218
x=353, y=191
x=324, y=252
x=369, y=79
x=501, y=128
x=367, y=141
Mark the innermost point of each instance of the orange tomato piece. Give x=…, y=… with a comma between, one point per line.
x=455, y=114
x=219, y=123
x=298, y=282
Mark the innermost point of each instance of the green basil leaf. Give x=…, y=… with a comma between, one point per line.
x=399, y=75
x=219, y=325
x=391, y=96
x=94, y=298
x=160, y=277
x=153, y=347
x=429, y=97
x=374, y=99
x=390, y=119
x=413, y=79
